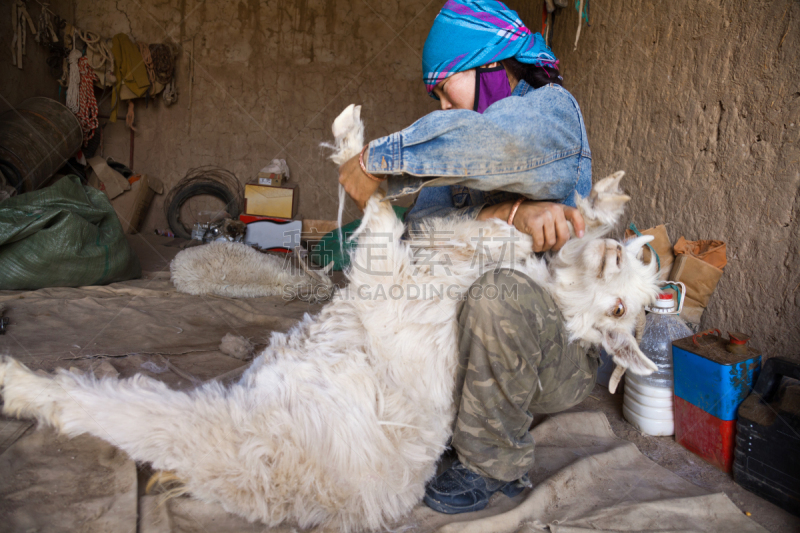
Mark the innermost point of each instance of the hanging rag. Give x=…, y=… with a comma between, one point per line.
x=129, y=69
x=712, y=252
x=471, y=33
x=19, y=16
x=163, y=59
x=46, y=31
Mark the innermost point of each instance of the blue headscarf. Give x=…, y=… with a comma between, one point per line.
x=471, y=33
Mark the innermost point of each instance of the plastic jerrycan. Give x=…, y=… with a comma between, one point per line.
x=648, y=400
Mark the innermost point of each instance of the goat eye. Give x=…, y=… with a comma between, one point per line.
x=619, y=309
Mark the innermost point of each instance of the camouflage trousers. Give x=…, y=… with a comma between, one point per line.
x=514, y=359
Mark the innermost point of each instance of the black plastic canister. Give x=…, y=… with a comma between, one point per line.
x=767, y=455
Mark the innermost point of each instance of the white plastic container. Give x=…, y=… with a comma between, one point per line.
x=648, y=401
x=648, y=408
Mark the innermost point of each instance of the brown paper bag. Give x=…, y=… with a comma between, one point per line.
x=712, y=252
x=698, y=264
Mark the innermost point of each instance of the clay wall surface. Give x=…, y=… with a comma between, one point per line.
x=699, y=102
x=269, y=78
x=34, y=79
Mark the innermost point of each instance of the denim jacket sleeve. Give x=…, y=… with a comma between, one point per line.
x=532, y=143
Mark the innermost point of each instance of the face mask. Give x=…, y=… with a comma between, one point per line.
x=491, y=85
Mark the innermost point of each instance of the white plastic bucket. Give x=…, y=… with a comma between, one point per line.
x=648, y=390
x=650, y=409
x=649, y=426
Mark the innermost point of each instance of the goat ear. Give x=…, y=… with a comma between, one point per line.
x=606, y=194
x=609, y=183
x=626, y=353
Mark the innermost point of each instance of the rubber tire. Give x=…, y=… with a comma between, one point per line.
x=11, y=175
x=200, y=188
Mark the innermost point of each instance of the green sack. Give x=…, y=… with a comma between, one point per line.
x=65, y=235
x=329, y=248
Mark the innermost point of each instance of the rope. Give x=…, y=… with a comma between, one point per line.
x=19, y=15
x=46, y=31
x=74, y=81
x=100, y=47
x=87, y=107
x=652, y=250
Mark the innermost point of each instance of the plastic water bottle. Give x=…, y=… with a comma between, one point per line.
x=648, y=399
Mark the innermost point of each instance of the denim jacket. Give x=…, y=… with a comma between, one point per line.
x=531, y=143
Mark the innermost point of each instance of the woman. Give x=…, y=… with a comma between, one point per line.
x=509, y=143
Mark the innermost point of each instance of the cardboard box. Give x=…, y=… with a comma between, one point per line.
x=263, y=200
x=271, y=180
x=106, y=179
x=132, y=205
x=316, y=229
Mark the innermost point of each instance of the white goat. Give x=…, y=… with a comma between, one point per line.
x=341, y=421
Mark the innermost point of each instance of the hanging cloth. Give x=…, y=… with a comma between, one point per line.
x=129, y=69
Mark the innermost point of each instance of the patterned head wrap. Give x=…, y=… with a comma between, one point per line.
x=471, y=33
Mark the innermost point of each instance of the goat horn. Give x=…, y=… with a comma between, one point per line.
x=615, y=378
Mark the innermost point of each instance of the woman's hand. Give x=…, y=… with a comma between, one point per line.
x=357, y=184
x=545, y=222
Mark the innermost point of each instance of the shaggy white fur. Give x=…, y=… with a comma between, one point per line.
x=341, y=420
x=238, y=271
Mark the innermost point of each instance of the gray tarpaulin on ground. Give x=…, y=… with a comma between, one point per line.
x=65, y=235
x=145, y=316
x=586, y=479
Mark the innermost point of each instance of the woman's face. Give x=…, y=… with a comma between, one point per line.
x=457, y=91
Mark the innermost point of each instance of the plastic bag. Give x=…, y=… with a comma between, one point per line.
x=65, y=235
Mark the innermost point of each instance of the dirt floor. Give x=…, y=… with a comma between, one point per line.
x=674, y=457
x=185, y=370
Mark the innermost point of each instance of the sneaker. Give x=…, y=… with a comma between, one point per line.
x=460, y=490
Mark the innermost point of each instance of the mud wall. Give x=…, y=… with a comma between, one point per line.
x=269, y=78
x=699, y=102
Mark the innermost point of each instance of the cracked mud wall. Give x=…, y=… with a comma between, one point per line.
x=269, y=78
x=699, y=102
